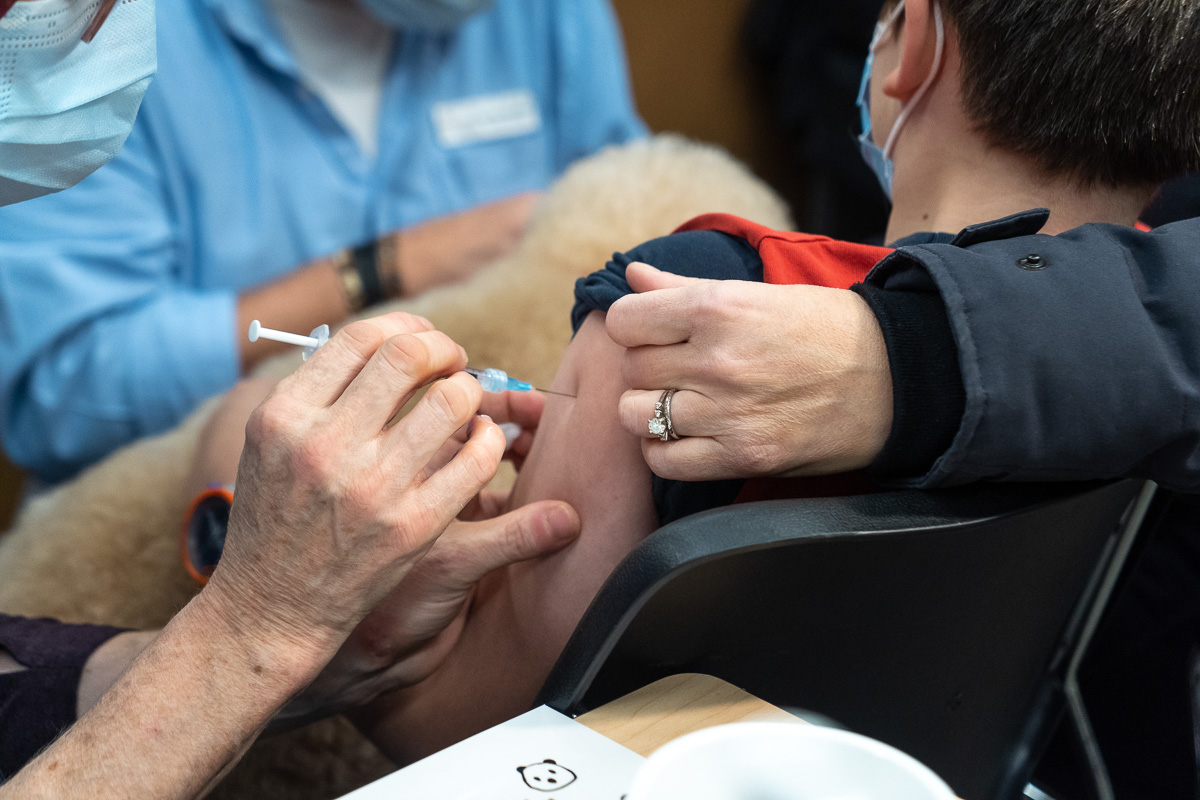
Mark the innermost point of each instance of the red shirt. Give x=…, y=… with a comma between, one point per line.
x=792, y=258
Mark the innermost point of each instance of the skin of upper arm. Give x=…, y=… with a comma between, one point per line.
x=522, y=615
x=582, y=455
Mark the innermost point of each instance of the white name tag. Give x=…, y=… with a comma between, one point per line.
x=487, y=117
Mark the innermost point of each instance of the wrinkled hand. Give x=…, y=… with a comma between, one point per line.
x=411, y=632
x=451, y=249
x=524, y=409
x=334, y=505
x=772, y=379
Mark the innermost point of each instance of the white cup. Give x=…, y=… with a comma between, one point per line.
x=783, y=761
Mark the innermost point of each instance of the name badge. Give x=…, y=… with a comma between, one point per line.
x=485, y=118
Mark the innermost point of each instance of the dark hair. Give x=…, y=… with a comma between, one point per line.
x=1106, y=91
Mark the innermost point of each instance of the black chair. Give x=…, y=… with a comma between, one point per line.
x=948, y=624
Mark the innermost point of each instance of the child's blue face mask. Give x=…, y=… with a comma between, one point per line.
x=880, y=159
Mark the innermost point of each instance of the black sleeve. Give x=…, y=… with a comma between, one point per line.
x=38, y=704
x=927, y=391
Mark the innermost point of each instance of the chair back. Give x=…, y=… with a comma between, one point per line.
x=938, y=622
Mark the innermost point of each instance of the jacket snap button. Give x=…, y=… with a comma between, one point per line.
x=1032, y=262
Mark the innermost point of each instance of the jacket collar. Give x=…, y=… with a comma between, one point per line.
x=1025, y=223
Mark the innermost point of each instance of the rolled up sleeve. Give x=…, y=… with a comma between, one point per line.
x=39, y=703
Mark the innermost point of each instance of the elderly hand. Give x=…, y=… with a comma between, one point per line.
x=334, y=504
x=412, y=631
x=772, y=379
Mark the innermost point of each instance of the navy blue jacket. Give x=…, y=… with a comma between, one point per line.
x=1078, y=356
x=1079, y=353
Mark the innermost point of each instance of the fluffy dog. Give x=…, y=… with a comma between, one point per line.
x=104, y=547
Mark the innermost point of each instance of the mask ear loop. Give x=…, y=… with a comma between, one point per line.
x=924, y=87
x=881, y=27
x=94, y=26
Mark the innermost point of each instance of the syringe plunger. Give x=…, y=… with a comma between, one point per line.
x=310, y=343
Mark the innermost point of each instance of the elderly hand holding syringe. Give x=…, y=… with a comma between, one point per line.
x=490, y=380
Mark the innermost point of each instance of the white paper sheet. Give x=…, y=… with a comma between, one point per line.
x=541, y=755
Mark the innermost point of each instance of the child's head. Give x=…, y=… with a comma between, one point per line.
x=1105, y=92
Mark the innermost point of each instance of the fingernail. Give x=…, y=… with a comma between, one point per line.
x=563, y=524
x=485, y=417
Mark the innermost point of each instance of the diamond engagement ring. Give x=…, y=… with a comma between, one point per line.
x=660, y=424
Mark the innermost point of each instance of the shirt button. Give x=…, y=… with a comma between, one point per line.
x=1032, y=262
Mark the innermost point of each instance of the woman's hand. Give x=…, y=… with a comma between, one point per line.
x=772, y=379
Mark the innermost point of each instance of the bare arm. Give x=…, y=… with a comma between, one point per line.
x=105, y=666
x=167, y=726
x=430, y=254
x=324, y=524
x=102, y=668
x=523, y=615
x=335, y=506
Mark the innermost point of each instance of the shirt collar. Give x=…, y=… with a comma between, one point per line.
x=251, y=23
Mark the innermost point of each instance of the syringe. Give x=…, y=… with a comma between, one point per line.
x=310, y=343
x=490, y=380
x=497, y=380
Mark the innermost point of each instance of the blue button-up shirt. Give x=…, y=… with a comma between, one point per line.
x=118, y=297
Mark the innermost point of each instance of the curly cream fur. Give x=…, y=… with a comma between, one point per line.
x=103, y=548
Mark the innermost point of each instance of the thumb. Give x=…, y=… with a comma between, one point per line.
x=645, y=278
x=537, y=529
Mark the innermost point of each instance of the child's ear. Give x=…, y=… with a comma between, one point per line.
x=918, y=45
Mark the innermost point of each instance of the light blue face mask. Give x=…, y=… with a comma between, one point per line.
x=66, y=105
x=880, y=159
x=872, y=153
x=425, y=15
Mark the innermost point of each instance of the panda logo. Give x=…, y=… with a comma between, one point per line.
x=546, y=776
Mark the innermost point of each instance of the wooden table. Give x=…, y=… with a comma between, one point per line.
x=647, y=719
